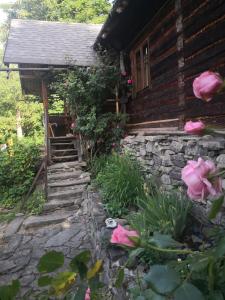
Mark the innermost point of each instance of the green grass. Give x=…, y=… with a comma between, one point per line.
x=121, y=183
x=7, y=217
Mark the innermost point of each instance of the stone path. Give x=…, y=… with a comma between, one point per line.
x=60, y=227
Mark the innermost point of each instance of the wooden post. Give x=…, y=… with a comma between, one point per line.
x=180, y=55
x=46, y=122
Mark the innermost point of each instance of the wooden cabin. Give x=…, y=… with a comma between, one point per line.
x=165, y=45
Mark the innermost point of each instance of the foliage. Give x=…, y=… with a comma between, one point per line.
x=12, y=101
x=85, y=91
x=6, y=216
x=90, y=11
x=35, y=203
x=64, y=284
x=20, y=161
x=97, y=164
x=121, y=183
x=163, y=212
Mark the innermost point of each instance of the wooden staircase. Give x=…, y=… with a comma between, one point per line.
x=64, y=149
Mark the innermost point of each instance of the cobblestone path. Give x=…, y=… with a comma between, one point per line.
x=60, y=227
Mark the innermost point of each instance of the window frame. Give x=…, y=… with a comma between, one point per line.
x=145, y=80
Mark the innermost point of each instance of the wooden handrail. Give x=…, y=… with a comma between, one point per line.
x=42, y=167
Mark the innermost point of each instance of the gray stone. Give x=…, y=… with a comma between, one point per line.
x=6, y=266
x=221, y=161
x=62, y=237
x=142, y=151
x=36, y=221
x=149, y=147
x=26, y=280
x=165, y=179
x=166, y=161
x=177, y=146
x=13, y=227
x=13, y=243
x=213, y=144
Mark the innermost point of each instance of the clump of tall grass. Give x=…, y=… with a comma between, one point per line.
x=121, y=183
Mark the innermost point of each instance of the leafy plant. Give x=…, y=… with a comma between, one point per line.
x=20, y=161
x=121, y=183
x=34, y=205
x=162, y=212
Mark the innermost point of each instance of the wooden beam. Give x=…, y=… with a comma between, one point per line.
x=152, y=122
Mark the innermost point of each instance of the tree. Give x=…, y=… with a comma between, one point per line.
x=86, y=11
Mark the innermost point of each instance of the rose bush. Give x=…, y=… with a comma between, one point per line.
x=194, y=127
x=201, y=180
x=207, y=85
x=121, y=236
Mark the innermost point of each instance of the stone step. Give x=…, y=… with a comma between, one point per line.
x=57, y=204
x=64, y=175
x=64, y=150
x=67, y=165
x=65, y=158
x=72, y=182
x=43, y=220
x=67, y=194
x=12, y=227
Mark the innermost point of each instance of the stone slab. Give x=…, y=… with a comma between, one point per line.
x=13, y=227
x=63, y=183
x=37, y=221
x=68, y=193
x=56, y=204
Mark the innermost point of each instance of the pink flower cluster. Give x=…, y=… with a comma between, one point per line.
x=194, y=127
x=201, y=180
x=121, y=236
x=207, y=85
x=88, y=294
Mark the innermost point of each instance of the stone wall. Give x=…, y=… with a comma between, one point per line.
x=164, y=155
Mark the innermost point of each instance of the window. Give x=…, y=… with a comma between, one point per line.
x=141, y=66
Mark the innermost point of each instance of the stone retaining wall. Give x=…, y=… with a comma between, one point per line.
x=164, y=155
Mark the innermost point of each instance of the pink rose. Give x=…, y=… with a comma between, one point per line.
x=120, y=236
x=129, y=81
x=72, y=126
x=194, y=127
x=207, y=85
x=196, y=176
x=88, y=294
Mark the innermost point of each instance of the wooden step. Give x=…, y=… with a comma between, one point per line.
x=64, y=150
x=62, y=144
x=56, y=138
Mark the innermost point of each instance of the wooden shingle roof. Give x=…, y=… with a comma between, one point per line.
x=51, y=43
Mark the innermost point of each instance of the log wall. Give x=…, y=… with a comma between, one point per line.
x=186, y=37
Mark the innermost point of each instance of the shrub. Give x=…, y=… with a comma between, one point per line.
x=35, y=203
x=17, y=170
x=162, y=212
x=97, y=164
x=121, y=183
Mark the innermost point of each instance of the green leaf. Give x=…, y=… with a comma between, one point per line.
x=9, y=292
x=62, y=282
x=163, y=241
x=219, y=250
x=216, y=295
x=151, y=295
x=80, y=294
x=216, y=206
x=162, y=279
x=78, y=263
x=44, y=281
x=199, y=263
x=140, y=298
x=51, y=261
x=119, y=278
x=188, y=291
